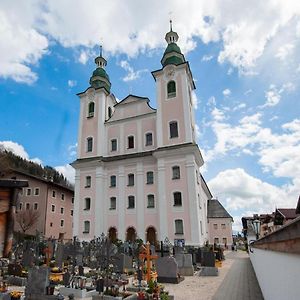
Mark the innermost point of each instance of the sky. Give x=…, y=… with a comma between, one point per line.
x=244, y=57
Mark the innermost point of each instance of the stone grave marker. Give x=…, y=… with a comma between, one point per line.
x=100, y=285
x=208, y=264
x=167, y=270
x=66, y=278
x=123, y=262
x=38, y=281
x=185, y=264
x=28, y=258
x=59, y=255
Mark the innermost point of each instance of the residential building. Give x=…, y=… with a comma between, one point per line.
x=137, y=172
x=53, y=203
x=219, y=224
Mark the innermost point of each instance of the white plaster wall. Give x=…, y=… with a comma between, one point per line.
x=278, y=274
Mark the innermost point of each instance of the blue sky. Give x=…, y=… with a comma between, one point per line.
x=244, y=61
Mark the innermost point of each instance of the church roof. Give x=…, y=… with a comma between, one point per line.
x=216, y=210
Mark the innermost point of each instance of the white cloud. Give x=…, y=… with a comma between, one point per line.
x=131, y=75
x=72, y=150
x=227, y=92
x=19, y=150
x=273, y=95
x=85, y=55
x=197, y=131
x=244, y=37
x=72, y=83
x=207, y=57
x=195, y=100
x=240, y=106
x=68, y=171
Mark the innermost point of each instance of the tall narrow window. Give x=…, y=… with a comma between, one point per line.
x=35, y=206
x=177, y=199
x=109, y=112
x=176, y=172
x=173, y=129
x=113, y=181
x=28, y=192
x=131, y=202
x=62, y=196
x=89, y=144
x=130, y=179
x=150, y=177
x=87, y=203
x=36, y=191
x=88, y=181
x=113, y=203
x=178, y=227
x=54, y=194
x=171, y=89
x=150, y=199
x=114, y=145
x=131, y=142
x=20, y=205
x=86, y=227
x=91, y=109
x=27, y=206
x=149, y=140
x=62, y=223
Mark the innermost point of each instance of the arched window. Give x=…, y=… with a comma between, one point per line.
x=173, y=129
x=176, y=172
x=91, y=109
x=150, y=201
x=150, y=177
x=131, y=203
x=177, y=199
x=87, y=203
x=178, y=227
x=130, y=179
x=86, y=228
x=109, y=112
x=89, y=142
x=113, y=181
x=171, y=87
x=149, y=139
x=113, y=203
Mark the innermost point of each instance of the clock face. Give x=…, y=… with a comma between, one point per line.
x=170, y=72
x=91, y=95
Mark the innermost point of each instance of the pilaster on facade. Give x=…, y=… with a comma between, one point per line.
x=121, y=203
x=162, y=201
x=99, y=202
x=76, y=213
x=140, y=200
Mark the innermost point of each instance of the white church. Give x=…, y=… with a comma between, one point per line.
x=137, y=171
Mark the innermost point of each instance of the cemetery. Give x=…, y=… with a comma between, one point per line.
x=41, y=268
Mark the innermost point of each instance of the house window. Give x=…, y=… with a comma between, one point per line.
x=113, y=203
x=86, y=227
x=88, y=180
x=173, y=129
x=28, y=192
x=62, y=196
x=53, y=208
x=199, y=201
x=171, y=89
x=72, y=212
x=201, y=228
x=150, y=177
x=91, y=109
x=89, y=144
x=223, y=226
x=130, y=201
x=114, y=145
x=216, y=240
x=197, y=176
x=62, y=222
x=36, y=191
x=150, y=199
x=149, y=139
x=215, y=226
x=131, y=142
x=20, y=205
x=62, y=210
x=51, y=224
x=35, y=206
x=87, y=203
x=72, y=200
x=176, y=172
x=178, y=227
x=27, y=206
x=130, y=179
x=109, y=112
x=53, y=194
x=177, y=199
x=113, y=181
x=225, y=241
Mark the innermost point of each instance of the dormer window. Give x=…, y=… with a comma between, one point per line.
x=109, y=112
x=91, y=109
x=171, y=89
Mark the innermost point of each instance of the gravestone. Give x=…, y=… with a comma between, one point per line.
x=66, y=279
x=100, y=285
x=208, y=264
x=28, y=258
x=38, y=281
x=199, y=253
x=167, y=270
x=59, y=255
x=185, y=264
x=123, y=262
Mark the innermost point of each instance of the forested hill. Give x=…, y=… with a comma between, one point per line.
x=9, y=160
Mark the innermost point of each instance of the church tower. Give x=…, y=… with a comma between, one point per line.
x=174, y=86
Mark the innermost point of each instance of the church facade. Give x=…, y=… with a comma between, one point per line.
x=137, y=171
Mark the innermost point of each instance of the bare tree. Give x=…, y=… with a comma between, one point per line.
x=27, y=218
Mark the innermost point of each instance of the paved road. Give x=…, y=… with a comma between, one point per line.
x=240, y=282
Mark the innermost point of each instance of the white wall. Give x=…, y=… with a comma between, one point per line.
x=278, y=274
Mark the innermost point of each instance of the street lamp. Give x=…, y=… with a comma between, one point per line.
x=256, y=227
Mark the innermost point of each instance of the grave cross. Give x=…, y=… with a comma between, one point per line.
x=162, y=249
x=146, y=255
